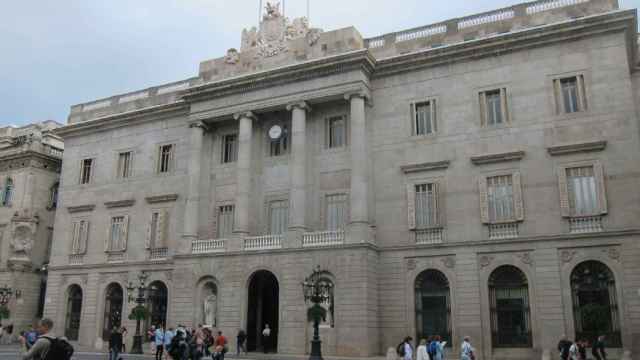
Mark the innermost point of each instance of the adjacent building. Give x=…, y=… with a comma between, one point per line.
x=475, y=177
x=30, y=163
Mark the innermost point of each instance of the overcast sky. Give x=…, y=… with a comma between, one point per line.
x=56, y=53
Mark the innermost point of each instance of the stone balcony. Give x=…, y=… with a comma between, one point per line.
x=264, y=242
x=157, y=254
x=208, y=246
x=323, y=238
x=585, y=225
x=76, y=259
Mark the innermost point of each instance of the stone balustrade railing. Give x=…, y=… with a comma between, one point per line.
x=497, y=21
x=429, y=236
x=323, y=238
x=52, y=150
x=158, y=253
x=116, y=257
x=503, y=231
x=76, y=259
x=585, y=225
x=264, y=242
x=208, y=246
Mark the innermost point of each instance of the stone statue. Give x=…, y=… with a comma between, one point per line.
x=249, y=39
x=233, y=57
x=273, y=10
x=298, y=28
x=22, y=241
x=210, y=310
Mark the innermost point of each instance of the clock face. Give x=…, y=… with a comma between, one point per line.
x=275, y=132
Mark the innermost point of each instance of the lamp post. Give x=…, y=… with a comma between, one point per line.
x=5, y=295
x=318, y=291
x=138, y=311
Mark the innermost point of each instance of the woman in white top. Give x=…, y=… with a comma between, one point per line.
x=467, y=351
x=421, y=353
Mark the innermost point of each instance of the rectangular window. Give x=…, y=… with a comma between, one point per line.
x=124, y=164
x=426, y=205
x=85, y=171
x=583, y=193
x=336, y=132
x=225, y=221
x=493, y=107
x=570, y=96
x=230, y=148
x=80, y=233
x=424, y=118
x=117, y=234
x=280, y=146
x=500, y=198
x=278, y=217
x=165, y=161
x=336, y=211
x=155, y=216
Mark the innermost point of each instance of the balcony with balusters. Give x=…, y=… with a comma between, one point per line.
x=211, y=246
x=323, y=238
x=158, y=254
x=264, y=242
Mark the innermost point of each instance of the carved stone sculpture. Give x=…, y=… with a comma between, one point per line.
x=273, y=10
x=233, y=57
x=22, y=241
x=210, y=310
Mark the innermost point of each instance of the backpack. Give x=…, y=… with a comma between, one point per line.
x=400, y=349
x=432, y=349
x=59, y=349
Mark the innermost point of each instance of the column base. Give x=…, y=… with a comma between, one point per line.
x=236, y=243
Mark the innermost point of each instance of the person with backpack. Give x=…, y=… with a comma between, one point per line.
x=563, y=347
x=405, y=349
x=436, y=348
x=467, y=352
x=48, y=347
x=159, y=339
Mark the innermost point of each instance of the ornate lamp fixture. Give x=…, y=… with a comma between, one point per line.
x=317, y=291
x=139, y=312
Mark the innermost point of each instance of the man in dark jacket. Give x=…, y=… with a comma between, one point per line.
x=598, y=349
x=563, y=347
x=115, y=344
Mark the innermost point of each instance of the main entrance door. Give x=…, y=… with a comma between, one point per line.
x=262, y=311
x=433, y=306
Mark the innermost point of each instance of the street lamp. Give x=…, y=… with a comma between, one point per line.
x=318, y=291
x=139, y=312
x=5, y=295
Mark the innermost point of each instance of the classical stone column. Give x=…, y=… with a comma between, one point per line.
x=193, y=197
x=359, y=193
x=243, y=174
x=27, y=200
x=297, y=174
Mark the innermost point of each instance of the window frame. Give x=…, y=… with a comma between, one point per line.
x=172, y=159
x=558, y=94
x=223, y=152
x=434, y=111
x=8, y=187
x=517, y=193
x=108, y=248
x=157, y=235
x=328, y=138
x=600, y=183
x=92, y=171
x=119, y=173
x=218, y=215
x=266, y=215
x=505, y=107
x=82, y=237
x=325, y=209
x=440, y=216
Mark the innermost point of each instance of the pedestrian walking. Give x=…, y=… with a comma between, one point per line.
x=598, y=349
x=151, y=335
x=266, y=338
x=573, y=352
x=115, y=344
x=159, y=340
x=221, y=343
x=467, y=352
x=48, y=344
x=168, y=338
x=241, y=338
x=438, y=348
x=124, y=332
x=421, y=352
x=564, y=346
x=408, y=348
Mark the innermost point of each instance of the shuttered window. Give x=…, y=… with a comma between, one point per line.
x=117, y=238
x=86, y=168
x=570, y=94
x=426, y=199
x=493, y=107
x=124, y=164
x=278, y=217
x=336, y=211
x=500, y=197
x=424, y=115
x=336, y=132
x=583, y=193
x=225, y=221
x=79, y=237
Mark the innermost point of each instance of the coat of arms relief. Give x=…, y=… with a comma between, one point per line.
x=275, y=31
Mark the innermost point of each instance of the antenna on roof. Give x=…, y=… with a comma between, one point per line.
x=260, y=13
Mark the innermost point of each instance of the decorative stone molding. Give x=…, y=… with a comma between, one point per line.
x=526, y=258
x=428, y=166
x=120, y=203
x=411, y=264
x=612, y=253
x=302, y=105
x=232, y=57
x=80, y=208
x=247, y=114
x=155, y=199
x=567, y=255
x=169, y=275
x=199, y=124
x=485, y=261
x=577, y=148
x=449, y=262
x=497, y=158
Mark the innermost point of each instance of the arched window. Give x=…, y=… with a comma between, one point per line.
x=509, y=302
x=157, y=301
x=433, y=305
x=112, y=309
x=53, y=196
x=595, y=305
x=74, y=312
x=7, y=193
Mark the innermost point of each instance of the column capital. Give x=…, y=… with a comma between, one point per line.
x=359, y=94
x=302, y=105
x=199, y=124
x=246, y=114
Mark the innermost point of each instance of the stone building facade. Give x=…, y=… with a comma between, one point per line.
x=30, y=163
x=473, y=177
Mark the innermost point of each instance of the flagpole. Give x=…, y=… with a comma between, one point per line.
x=260, y=13
x=308, y=12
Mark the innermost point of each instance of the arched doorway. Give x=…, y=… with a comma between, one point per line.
x=433, y=305
x=509, y=307
x=114, y=297
x=74, y=313
x=262, y=310
x=157, y=300
x=595, y=304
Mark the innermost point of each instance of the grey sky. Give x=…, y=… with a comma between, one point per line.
x=54, y=54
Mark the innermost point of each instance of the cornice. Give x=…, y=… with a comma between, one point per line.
x=496, y=158
x=577, y=148
x=119, y=203
x=359, y=59
x=30, y=158
x=80, y=208
x=428, y=166
x=155, y=199
x=616, y=21
x=152, y=113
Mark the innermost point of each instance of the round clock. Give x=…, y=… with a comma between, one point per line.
x=275, y=132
